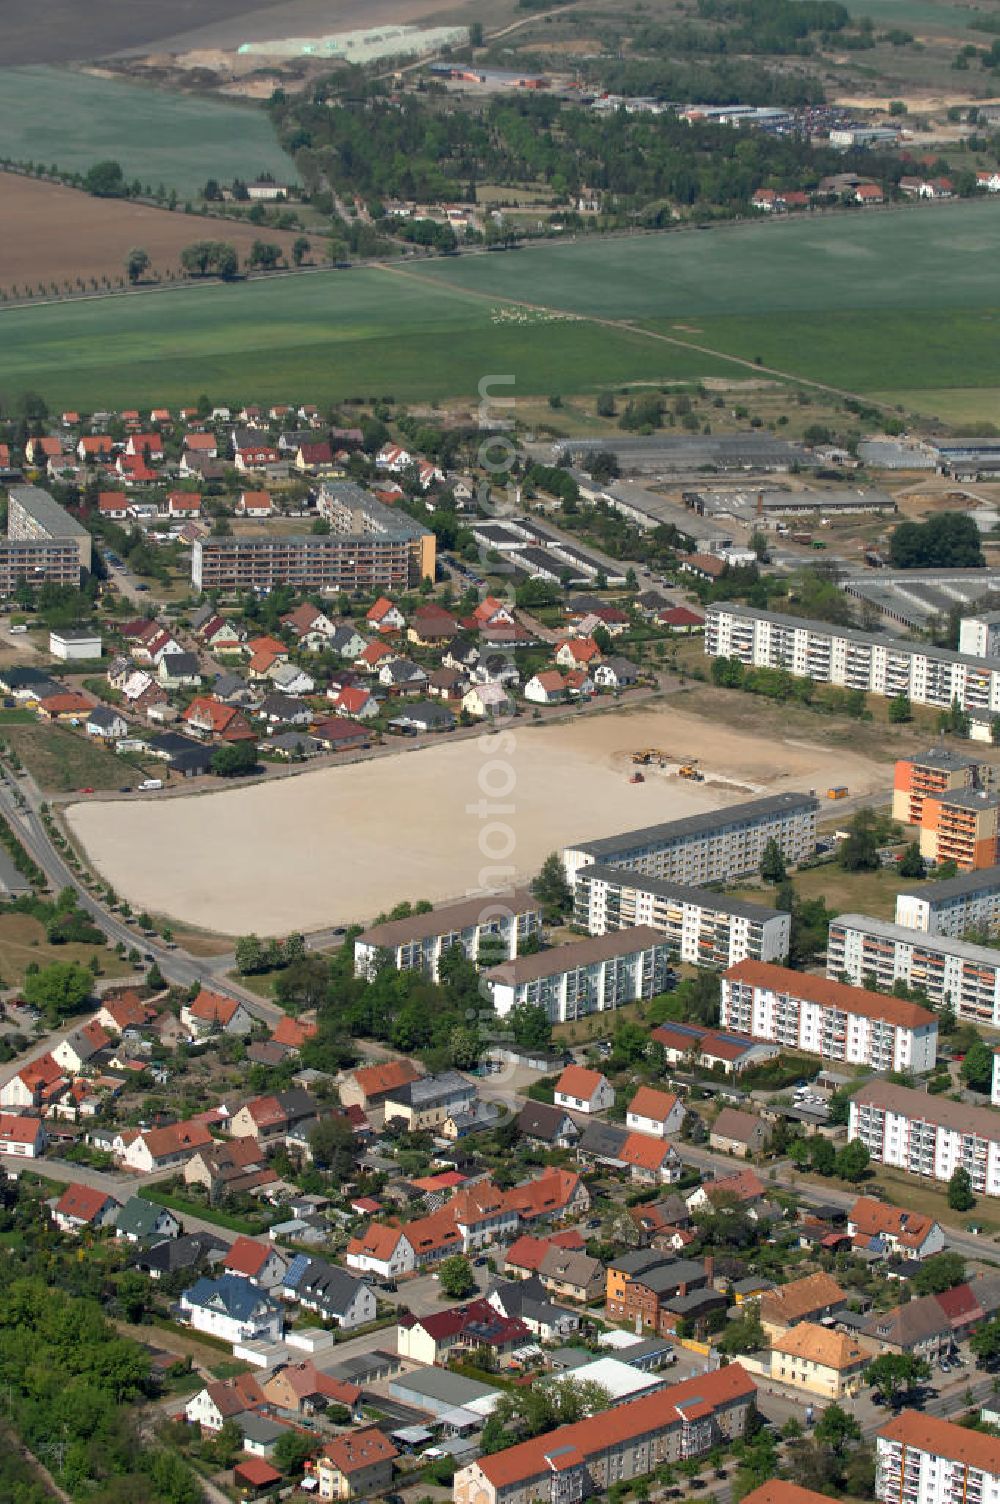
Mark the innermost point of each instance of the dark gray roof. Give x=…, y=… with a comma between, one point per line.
x=604, y=1140
x=638, y=1261
x=430, y=1089
x=670, y=1276
x=333, y=1288
x=180, y=1253
x=283, y=707
x=704, y=899
x=706, y=822
x=182, y=664
x=192, y=760
x=544, y=1121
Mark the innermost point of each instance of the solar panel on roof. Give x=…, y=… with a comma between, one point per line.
x=296, y=1269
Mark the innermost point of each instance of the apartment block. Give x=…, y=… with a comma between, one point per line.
x=705, y=929
x=33, y=516
x=370, y=546
x=938, y=771
x=928, y=1136
x=877, y=665
x=961, y=827
x=980, y=635
x=714, y=846
x=954, y=905
x=586, y=976
x=874, y=952
x=627, y=1441
x=827, y=1018
x=923, y=1459
x=55, y=562
x=494, y=925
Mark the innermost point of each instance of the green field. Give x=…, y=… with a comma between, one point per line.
x=888, y=303
x=72, y=120
x=322, y=336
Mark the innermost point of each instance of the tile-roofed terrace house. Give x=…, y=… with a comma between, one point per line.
x=877, y=1226
x=820, y=1361
x=369, y=1085
x=211, y=1012
x=628, y=1441
x=811, y=1298
x=358, y=1464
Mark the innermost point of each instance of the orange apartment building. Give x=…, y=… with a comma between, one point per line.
x=939, y=771
x=961, y=827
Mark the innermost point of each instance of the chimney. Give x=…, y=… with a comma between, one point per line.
x=709, y=1267
x=760, y=503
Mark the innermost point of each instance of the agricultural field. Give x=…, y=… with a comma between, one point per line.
x=322, y=336
x=72, y=120
x=36, y=251
x=51, y=31
x=857, y=302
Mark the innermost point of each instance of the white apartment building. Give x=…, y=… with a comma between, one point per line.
x=995, y=1091
x=980, y=635
x=928, y=1136
x=705, y=929
x=922, y=1459
x=854, y=660
x=827, y=1018
x=714, y=846
x=953, y=906
x=586, y=976
x=967, y=976
x=496, y=922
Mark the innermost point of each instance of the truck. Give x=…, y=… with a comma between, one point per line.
x=149, y=784
x=838, y=792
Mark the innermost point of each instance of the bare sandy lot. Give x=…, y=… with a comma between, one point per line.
x=339, y=845
x=57, y=234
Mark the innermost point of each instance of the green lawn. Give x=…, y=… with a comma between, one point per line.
x=72, y=120
x=61, y=760
x=323, y=337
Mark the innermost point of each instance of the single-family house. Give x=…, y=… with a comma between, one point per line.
x=162, y=1148
x=544, y=1123
x=581, y=1090
x=260, y=1263
x=233, y=1309
x=384, y=616
x=546, y=688
x=876, y=1227
x=819, y=1361
x=22, y=1137
x=660, y=1113
x=106, y=724
x=740, y=1133
x=212, y=1013
x=355, y=1465
x=142, y=1221
x=73, y=1053
x=81, y=1206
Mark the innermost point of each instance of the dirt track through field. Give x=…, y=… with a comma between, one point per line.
x=630, y=327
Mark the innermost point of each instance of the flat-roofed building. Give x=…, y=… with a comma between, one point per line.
x=980, y=634
x=714, y=846
x=876, y=953
x=961, y=826
x=369, y=547
x=927, y=1135
x=953, y=905
x=864, y=661
x=494, y=923
x=705, y=929
x=937, y=771
x=827, y=1018
x=33, y=516
x=923, y=1459
x=586, y=976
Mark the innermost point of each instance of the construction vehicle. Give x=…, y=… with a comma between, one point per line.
x=687, y=771
x=840, y=792
x=646, y=756
x=636, y=778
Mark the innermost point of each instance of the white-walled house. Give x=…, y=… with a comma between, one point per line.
x=657, y=1113
x=582, y=1090
x=233, y=1309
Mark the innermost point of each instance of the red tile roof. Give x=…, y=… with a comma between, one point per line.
x=577, y=1081
x=213, y=1008
x=650, y=1103
x=644, y=1152
x=247, y=1256
x=162, y=1143
x=356, y=1450
x=256, y=1472
x=943, y=1438
x=872, y=1218
x=608, y=1428
x=82, y=1202
x=375, y=1080
x=828, y=994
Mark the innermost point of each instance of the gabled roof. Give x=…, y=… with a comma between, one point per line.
x=374, y=1080
x=830, y=994
x=82, y=1202
x=213, y=1008
x=873, y=1218
x=800, y=1298
x=233, y=1396
x=237, y=1297
x=247, y=1257
x=818, y=1344
x=356, y=1450
x=163, y=1143
x=645, y=1152
x=378, y=1241
x=650, y=1103
x=579, y=1082
x=943, y=1438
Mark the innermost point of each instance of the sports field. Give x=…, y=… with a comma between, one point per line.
x=72, y=120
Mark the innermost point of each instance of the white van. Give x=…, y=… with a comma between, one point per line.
x=148, y=784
